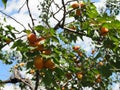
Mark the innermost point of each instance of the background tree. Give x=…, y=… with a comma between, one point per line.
x=49, y=52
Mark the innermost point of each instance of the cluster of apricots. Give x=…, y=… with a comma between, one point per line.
x=76, y=48
x=38, y=43
x=40, y=63
x=76, y=6
x=34, y=41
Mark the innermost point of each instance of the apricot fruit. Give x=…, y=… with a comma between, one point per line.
x=76, y=48
x=78, y=12
x=75, y=5
x=79, y=75
x=38, y=62
x=31, y=37
x=104, y=31
x=49, y=64
x=32, y=71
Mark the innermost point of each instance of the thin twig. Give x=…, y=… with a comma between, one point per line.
x=64, y=14
x=27, y=1
x=22, y=6
x=74, y=31
x=13, y=19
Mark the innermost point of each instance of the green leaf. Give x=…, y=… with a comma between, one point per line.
x=55, y=39
x=4, y=2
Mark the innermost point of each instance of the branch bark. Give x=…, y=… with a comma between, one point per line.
x=64, y=14
x=16, y=78
x=37, y=80
x=32, y=20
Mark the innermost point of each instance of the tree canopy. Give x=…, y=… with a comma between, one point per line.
x=48, y=50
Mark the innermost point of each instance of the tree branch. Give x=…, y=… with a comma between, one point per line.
x=22, y=6
x=74, y=31
x=13, y=19
x=64, y=14
x=27, y=1
x=37, y=79
x=16, y=78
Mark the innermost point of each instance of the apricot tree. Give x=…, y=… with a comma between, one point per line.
x=48, y=51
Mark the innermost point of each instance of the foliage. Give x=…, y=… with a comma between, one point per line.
x=73, y=69
x=4, y=2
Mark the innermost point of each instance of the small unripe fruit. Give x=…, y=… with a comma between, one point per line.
x=21, y=64
x=32, y=71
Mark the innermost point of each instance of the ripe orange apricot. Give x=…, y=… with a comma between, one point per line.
x=75, y=5
x=79, y=75
x=78, y=12
x=49, y=64
x=31, y=37
x=101, y=63
x=76, y=48
x=63, y=88
x=104, y=31
x=38, y=62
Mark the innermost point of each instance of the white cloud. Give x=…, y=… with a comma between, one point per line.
x=116, y=86
x=100, y=4
x=11, y=87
